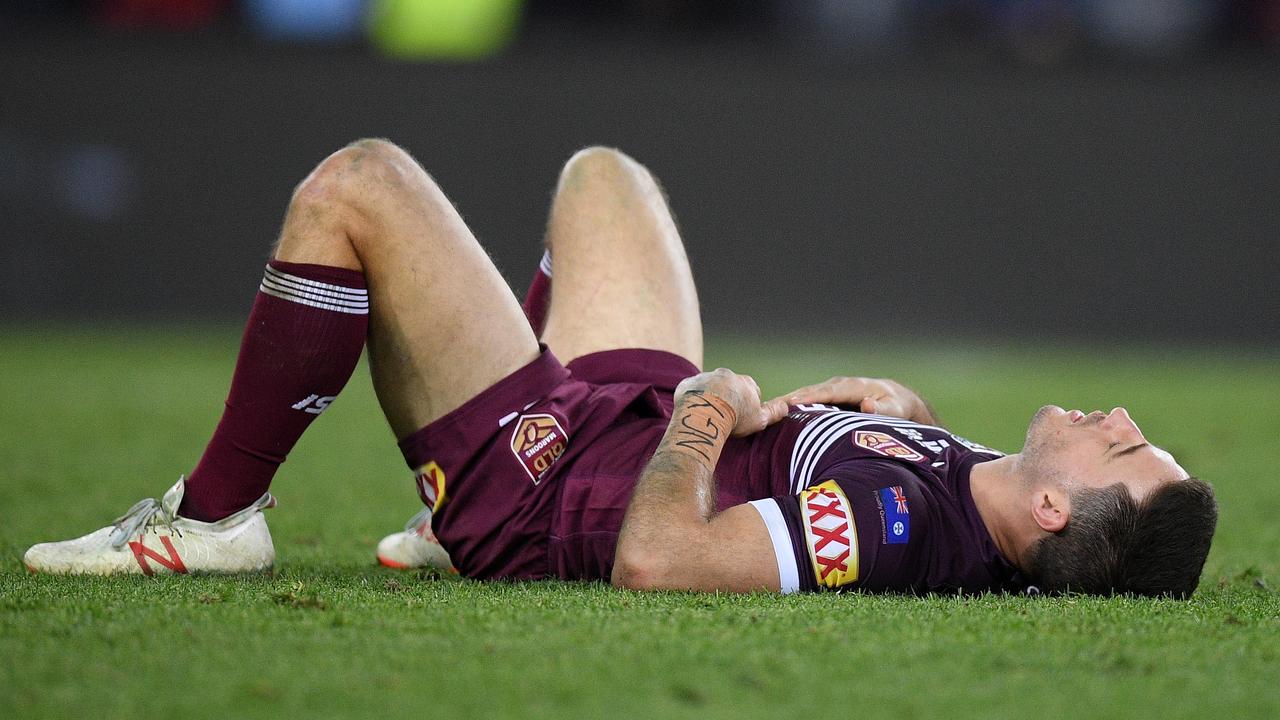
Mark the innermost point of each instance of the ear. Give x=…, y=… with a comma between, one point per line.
x=1051, y=510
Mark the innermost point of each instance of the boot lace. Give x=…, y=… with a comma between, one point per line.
x=138, y=517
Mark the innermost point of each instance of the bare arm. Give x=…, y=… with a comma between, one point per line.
x=671, y=537
x=870, y=395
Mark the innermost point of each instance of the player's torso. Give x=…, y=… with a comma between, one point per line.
x=782, y=460
x=924, y=525
x=792, y=455
x=826, y=435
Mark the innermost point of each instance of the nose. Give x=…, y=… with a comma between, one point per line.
x=1118, y=420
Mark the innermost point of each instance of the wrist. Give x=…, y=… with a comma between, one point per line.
x=700, y=424
x=707, y=401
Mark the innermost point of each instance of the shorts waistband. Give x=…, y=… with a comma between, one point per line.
x=659, y=368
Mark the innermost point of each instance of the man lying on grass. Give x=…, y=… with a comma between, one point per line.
x=615, y=457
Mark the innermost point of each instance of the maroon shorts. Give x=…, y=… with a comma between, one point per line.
x=531, y=477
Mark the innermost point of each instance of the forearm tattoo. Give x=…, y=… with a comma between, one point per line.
x=700, y=425
x=679, y=481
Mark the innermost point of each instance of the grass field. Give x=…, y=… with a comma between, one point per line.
x=95, y=420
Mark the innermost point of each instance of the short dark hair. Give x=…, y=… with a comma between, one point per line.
x=1114, y=545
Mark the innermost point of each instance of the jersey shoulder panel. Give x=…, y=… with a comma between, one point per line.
x=829, y=436
x=853, y=529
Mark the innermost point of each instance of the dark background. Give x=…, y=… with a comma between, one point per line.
x=956, y=188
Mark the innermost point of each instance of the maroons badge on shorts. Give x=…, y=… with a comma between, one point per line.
x=538, y=441
x=431, y=485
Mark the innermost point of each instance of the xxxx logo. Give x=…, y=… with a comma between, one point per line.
x=538, y=441
x=142, y=552
x=830, y=533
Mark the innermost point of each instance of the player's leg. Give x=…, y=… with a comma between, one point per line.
x=443, y=325
x=416, y=546
x=622, y=279
x=368, y=216
x=614, y=275
x=372, y=211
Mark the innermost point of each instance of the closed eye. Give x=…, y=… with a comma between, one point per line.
x=1128, y=450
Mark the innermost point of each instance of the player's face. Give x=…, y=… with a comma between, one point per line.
x=1097, y=450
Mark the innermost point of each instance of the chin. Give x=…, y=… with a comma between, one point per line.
x=1041, y=416
x=1038, y=434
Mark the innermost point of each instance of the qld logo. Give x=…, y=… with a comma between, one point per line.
x=886, y=445
x=538, y=441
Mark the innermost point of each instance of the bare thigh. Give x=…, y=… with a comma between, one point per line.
x=622, y=278
x=443, y=324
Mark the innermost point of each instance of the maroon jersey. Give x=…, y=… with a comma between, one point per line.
x=878, y=504
x=850, y=500
x=531, y=479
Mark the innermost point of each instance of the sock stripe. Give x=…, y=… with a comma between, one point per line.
x=321, y=295
x=312, y=303
x=301, y=283
x=353, y=301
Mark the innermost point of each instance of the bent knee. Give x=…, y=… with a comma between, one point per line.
x=378, y=152
x=601, y=164
x=361, y=170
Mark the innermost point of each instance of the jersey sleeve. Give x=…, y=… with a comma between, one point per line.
x=852, y=530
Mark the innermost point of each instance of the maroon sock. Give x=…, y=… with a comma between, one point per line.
x=538, y=299
x=300, y=346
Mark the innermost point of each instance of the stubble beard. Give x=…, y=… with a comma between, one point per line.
x=1036, y=464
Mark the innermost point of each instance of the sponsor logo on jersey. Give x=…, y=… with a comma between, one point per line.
x=897, y=516
x=431, y=486
x=886, y=445
x=538, y=441
x=831, y=534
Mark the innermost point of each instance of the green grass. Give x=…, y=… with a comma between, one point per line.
x=94, y=420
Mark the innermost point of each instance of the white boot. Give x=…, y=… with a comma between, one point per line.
x=416, y=547
x=151, y=538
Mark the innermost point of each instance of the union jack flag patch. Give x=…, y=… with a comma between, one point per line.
x=897, y=516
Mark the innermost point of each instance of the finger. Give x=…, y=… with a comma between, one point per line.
x=891, y=406
x=831, y=391
x=766, y=415
x=775, y=410
x=869, y=405
x=784, y=399
x=851, y=391
x=822, y=388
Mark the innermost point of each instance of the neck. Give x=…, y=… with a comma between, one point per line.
x=999, y=496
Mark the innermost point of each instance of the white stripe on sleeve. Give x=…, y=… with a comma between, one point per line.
x=783, y=550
